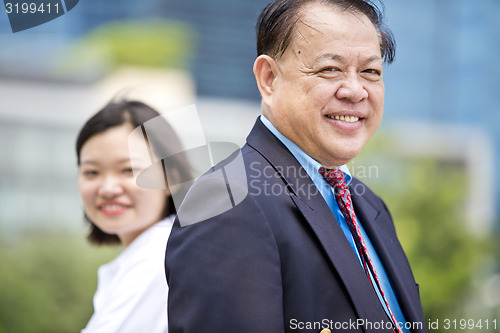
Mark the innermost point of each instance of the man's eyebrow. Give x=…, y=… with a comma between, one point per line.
x=338, y=57
x=331, y=56
x=372, y=59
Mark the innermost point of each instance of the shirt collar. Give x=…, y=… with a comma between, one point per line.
x=307, y=162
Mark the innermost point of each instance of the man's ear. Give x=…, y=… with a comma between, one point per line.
x=264, y=70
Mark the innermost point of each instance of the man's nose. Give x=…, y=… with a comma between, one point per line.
x=110, y=187
x=352, y=89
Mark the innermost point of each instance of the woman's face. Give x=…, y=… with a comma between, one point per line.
x=111, y=198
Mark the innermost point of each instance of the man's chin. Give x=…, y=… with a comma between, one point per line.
x=343, y=159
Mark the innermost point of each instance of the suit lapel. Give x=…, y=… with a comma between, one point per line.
x=346, y=264
x=322, y=221
x=380, y=229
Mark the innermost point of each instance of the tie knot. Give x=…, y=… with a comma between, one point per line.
x=334, y=177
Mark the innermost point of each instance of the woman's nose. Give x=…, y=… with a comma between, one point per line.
x=110, y=187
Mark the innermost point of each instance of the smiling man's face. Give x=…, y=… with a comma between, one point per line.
x=327, y=91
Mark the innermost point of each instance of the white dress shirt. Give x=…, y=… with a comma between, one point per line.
x=131, y=294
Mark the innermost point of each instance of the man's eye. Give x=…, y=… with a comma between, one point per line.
x=372, y=71
x=329, y=69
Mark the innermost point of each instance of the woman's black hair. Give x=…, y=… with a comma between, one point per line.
x=136, y=113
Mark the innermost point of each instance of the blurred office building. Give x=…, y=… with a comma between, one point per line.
x=443, y=81
x=441, y=107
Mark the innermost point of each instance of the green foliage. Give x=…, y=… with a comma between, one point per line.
x=47, y=283
x=427, y=198
x=47, y=280
x=149, y=43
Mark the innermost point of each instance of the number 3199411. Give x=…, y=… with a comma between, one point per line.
x=31, y=8
x=469, y=324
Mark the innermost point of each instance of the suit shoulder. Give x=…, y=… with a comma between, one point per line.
x=360, y=189
x=219, y=190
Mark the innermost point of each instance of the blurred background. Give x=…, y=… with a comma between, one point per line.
x=434, y=160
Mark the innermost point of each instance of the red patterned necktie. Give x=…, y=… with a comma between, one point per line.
x=336, y=179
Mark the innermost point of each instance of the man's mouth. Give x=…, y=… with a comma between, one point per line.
x=349, y=119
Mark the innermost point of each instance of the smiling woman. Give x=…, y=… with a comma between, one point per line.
x=111, y=199
x=131, y=294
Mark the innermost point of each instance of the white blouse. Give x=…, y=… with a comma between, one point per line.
x=132, y=290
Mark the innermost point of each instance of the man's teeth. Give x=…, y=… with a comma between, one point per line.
x=349, y=119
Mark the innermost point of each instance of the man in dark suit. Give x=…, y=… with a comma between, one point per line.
x=301, y=251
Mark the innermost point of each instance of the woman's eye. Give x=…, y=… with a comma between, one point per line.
x=90, y=173
x=128, y=170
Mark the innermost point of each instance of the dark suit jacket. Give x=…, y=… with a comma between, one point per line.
x=279, y=261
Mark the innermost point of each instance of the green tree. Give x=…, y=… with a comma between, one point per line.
x=148, y=43
x=427, y=198
x=47, y=283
